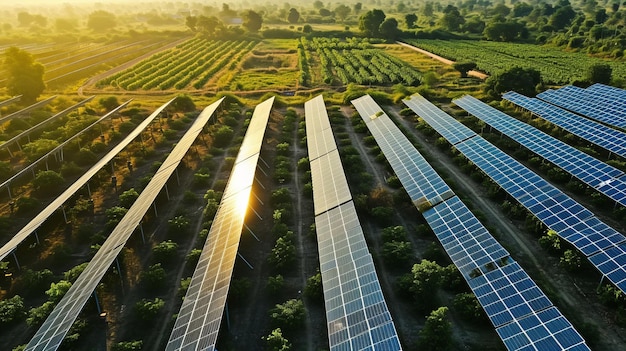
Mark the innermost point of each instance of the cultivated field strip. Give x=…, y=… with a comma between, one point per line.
x=193, y=62
x=50, y=335
x=505, y=291
x=200, y=316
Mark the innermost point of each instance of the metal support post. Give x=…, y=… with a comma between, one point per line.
x=244, y=260
x=251, y=232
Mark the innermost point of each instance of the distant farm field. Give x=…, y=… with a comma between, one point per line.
x=556, y=66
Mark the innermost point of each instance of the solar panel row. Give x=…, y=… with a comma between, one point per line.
x=356, y=311
x=556, y=210
x=609, y=91
x=594, y=132
x=505, y=291
x=605, y=178
x=51, y=333
x=595, y=104
x=200, y=316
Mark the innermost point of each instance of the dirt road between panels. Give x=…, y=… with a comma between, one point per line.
x=472, y=73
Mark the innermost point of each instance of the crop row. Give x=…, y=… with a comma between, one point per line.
x=556, y=66
x=196, y=59
x=360, y=63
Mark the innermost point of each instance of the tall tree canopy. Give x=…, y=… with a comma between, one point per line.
x=25, y=76
x=521, y=80
x=252, y=21
x=101, y=20
x=293, y=16
x=370, y=22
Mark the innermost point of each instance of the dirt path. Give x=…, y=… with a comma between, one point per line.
x=473, y=73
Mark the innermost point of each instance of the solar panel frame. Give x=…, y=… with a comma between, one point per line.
x=55, y=327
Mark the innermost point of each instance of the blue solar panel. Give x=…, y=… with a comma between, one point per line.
x=545, y=331
x=453, y=132
x=594, y=104
x=588, y=169
x=505, y=291
x=557, y=211
x=611, y=263
x=465, y=239
x=508, y=294
x=594, y=132
x=609, y=91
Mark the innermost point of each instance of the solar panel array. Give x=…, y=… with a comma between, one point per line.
x=598, y=104
x=604, y=178
x=42, y=216
x=507, y=294
x=200, y=316
x=27, y=109
x=50, y=335
x=551, y=206
x=609, y=91
x=594, y=132
x=356, y=311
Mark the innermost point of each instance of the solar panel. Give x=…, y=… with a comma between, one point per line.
x=594, y=132
x=51, y=333
x=546, y=330
x=557, y=211
x=605, y=178
x=356, y=311
x=468, y=243
x=200, y=315
x=329, y=182
x=617, y=93
x=319, y=137
x=504, y=290
x=611, y=263
x=421, y=182
x=453, y=132
x=594, y=104
x=508, y=294
x=42, y=216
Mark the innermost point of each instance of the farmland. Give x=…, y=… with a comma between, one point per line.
x=556, y=66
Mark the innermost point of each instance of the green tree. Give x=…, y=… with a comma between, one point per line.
x=410, y=19
x=153, y=277
x=464, y=67
x=148, y=309
x=283, y=254
x=191, y=22
x=342, y=11
x=505, y=31
x=313, y=288
x=223, y=136
x=6, y=170
x=551, y=241
x=37, y=148
x=183, y=103
x=109, y=102
x=437, y=332
x=101, y=20
x=562, y=17
x=58, y=290
x=38, y=315
x=369, y=22
x=289, y=315
x=293, y=16
x=11, y=310
x=389, y=29
x=452, y=18
x=521, y=80
x=571, y=261
x=276, y=341
x=397, y=233
x=24, y=75
x=128, y=197
x=165, y=251
x=135, y=345
x=426, y=281
x=210, y=26
x=600, y=73
x=47, y=183
x=72, y=274
x=398, y=253
x=252, y=21
x=275, y=285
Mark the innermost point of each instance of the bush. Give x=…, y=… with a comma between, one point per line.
x=128, y=197
x=37, y=315
x=165, y=251
x=313, y=288
x=135, y=345
x=11, y=310
x=148, y=309
x=48, y=183
x=289, y=315
x=153, y=277
x=26, y=205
